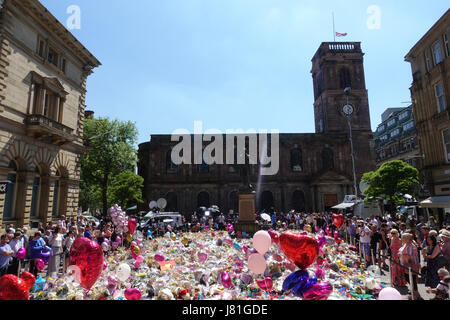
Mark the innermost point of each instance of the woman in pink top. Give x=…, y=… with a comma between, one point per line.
x=409, y=258
x=398, y=274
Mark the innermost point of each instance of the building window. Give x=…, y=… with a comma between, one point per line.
x=437, y=53
x=327, y=159
x=408, y=126
x=381, y=128
x=296, y=160
x=384, y=138
x=63, y=65
x=41, y=48
x=447, y=45
x=391, y=123
x=170, y=166
x=345, y=78
x=395, y=133
x=439, y=90
x=10, y=197
x=53, y=57
x=35, y=195
x=427, y=61
x=403, y=115
x=446, y=137
x=55, y=198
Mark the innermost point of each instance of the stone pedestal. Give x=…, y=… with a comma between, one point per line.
x=247, y=222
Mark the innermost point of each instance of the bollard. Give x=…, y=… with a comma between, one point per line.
x=390, y=271
x=18, y=267
x=411, y=284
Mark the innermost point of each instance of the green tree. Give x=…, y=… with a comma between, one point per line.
x=126, y=187
x=391, y=181
x=111, y=151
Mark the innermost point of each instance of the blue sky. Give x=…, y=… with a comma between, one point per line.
x=236, y=64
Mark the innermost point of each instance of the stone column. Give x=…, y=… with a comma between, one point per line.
x=24, y=219
x=3, y=177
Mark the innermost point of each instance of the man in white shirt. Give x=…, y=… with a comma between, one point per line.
x=364, y=238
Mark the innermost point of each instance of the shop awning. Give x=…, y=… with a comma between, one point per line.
x=344, y=205
x=436, y=202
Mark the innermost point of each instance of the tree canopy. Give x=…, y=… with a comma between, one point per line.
x=111, y=151
x=391, y=181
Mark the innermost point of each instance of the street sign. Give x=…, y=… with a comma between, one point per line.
x=4, y=187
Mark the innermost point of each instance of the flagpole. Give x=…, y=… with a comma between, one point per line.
x=334, y=31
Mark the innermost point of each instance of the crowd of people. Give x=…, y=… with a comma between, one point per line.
x=417, y=250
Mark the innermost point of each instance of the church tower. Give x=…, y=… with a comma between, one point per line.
x=336, y=66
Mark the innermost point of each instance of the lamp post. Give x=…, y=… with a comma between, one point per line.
x=348, y=110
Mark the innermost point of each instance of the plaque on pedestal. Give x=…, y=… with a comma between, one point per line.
x=247, y=222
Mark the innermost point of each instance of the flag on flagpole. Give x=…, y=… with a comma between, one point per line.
x=341, y=34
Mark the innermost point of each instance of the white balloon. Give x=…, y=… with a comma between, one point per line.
x=75, y=271
x=123, y=272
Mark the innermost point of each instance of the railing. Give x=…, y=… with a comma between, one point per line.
x=49, y=124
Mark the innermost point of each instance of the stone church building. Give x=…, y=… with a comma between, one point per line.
x=43, y=74
x=315, y=169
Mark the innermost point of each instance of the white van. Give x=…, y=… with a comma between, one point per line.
x=165, y=218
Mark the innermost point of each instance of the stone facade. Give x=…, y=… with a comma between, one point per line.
x=315, y=169
x=43, y=73
x=430, y=92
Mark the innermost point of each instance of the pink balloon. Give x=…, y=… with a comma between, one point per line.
x=133, y=294
x=40, y=264
x=265, y=284
x=118, y=240
x=319, y=291
x=137, y=264
x=277, y=257
x=132, y=224
x=226, y=280
x=257, y=263
x=262, y=241
x=159, y=257
x=139, y=258
x=105, y=265
x=389, y=294
x=21, y=253
x=202, y=257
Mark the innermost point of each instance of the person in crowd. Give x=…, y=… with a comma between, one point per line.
x=375, y=244
x=441, y=291
x=402, y=228
x=41, y=228
x=431, y=253
x=445, y=246
x=16, y=244
x=47, y=236
x=68, y=241
x=432, y=223
x=364, y=238
x=409, y=258
x=62, y=222
x=87, y=232
x=6, y=254
x=56, y=243
x=398, y=278
x=384, y=247
x=37, y=245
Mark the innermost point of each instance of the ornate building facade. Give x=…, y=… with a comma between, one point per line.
x=430, y=92
x=396, y=137
x=43, y=73
x=315, y=171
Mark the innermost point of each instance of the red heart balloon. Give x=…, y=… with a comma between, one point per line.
x=133, y=294
x=13, y=288
x=338, y=220
x=132, y=225
x=265, y=284
x=274, y=236
x=29, y=279
x=302, y=250
x=88, y=256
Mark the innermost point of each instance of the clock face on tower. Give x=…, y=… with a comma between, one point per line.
x=348, y=109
